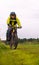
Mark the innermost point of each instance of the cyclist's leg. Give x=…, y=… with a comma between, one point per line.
x=8, y=34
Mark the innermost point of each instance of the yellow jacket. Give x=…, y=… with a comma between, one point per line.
x=17, y=20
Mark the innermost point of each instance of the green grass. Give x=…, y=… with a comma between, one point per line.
x=25, y=54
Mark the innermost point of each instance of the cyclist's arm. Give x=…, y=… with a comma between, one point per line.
x=8, y=21
x=18, y=22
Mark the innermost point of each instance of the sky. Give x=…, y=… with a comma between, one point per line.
x=28, y=13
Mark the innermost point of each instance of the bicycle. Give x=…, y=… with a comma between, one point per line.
x=14, y=37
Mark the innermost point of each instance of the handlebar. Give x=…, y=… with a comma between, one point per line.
x=16, y=27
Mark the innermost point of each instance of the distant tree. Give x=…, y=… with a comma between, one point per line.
x=37, y=39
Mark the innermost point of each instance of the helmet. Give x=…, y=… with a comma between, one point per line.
x=12, y=13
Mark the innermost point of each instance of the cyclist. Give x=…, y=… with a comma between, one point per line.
x=14, y=22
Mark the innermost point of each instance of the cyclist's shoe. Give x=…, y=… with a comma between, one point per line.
x=7, y=42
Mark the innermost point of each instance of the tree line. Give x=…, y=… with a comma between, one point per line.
x=25, y=40
x=28, y=40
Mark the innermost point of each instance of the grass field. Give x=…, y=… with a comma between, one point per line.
x=25, y=54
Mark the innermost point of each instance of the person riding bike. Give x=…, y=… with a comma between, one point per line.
x=14, y=22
